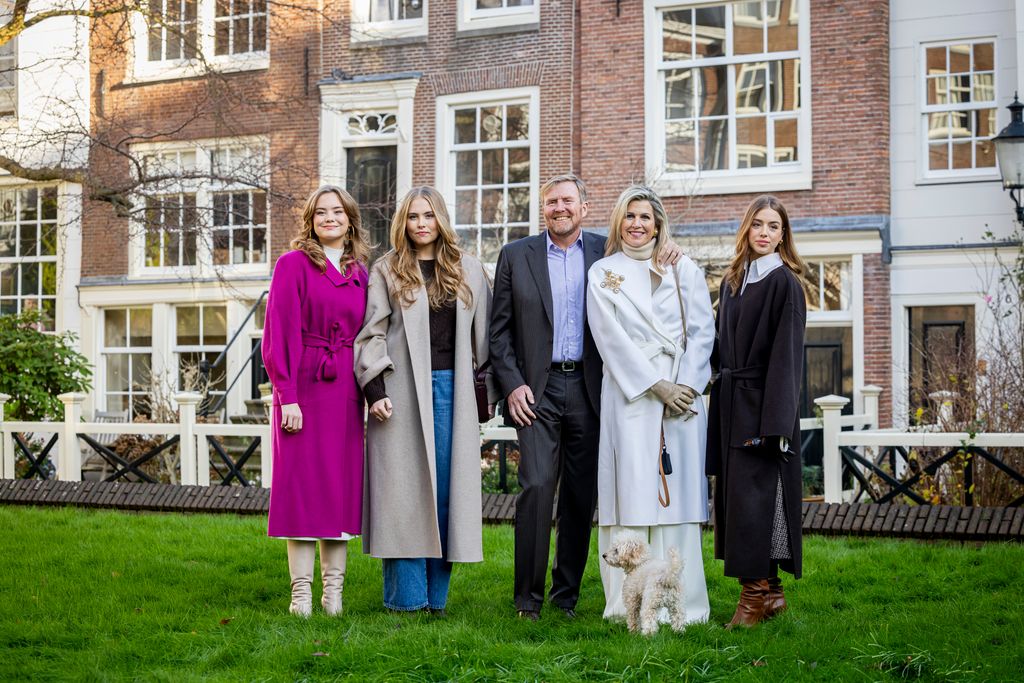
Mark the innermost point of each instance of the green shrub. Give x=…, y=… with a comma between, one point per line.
x=36, y=366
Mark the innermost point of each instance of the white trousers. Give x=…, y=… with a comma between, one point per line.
x=685, y=538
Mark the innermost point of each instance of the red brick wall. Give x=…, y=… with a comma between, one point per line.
x=449, y=64
x=850, y=112
x=878, y=333
x=271, y=102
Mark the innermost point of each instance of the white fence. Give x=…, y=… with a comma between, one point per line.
x=197, y=453
x=873, y=440
x=194, y=446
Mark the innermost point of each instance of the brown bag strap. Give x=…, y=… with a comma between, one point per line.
x=663, y=495
x=682, y=308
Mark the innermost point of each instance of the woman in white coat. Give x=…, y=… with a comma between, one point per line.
x=655, y=331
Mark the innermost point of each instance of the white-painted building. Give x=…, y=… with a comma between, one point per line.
x=954, y=67
x=44, y=120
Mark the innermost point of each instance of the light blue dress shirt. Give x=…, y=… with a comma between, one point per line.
x=566, y=270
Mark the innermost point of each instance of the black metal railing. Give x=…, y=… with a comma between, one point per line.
x=205, y=367
x=123, y=467
x=39, y=465
x=865, y=469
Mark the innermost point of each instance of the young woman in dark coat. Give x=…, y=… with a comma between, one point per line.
x=754, y=429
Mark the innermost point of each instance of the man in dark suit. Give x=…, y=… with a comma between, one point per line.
x=550, y=372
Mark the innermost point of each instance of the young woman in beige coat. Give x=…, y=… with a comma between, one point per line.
x=424, y=334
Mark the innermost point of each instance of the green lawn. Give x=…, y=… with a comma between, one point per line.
x=110, y=596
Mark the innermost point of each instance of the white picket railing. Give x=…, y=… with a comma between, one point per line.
x=193, y=446
x=834, y=439
x=195, y=450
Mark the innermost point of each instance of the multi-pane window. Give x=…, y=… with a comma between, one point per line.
x=240, y=26
x=729, y=76
x=499, y=4
x=960, y=106
x=127, y=356
x=173, y=30
x=171, y=230
x=829, y=285
x=8, y=76
x=490, y=153
x=28, y=251
x=201, y=332
x=239, y=227
x=396, y=10
x=485, y=14
x=205, y=205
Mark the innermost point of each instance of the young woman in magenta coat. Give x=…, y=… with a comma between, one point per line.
x=754, y=430
x=314, y=311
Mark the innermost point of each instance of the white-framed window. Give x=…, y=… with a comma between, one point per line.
x=181, y=38
x=487, y=165
x=958, y=108
x=727, y=96
x=385, y=19
x=127, y=356
x=28, y=251
x=200, y=333
x=240, y=27
x=8, y=76
x=496, y=14
x=366, y=143
x=206, y=208
x=829, y=285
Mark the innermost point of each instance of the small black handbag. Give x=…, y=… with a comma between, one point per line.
x=480, y=385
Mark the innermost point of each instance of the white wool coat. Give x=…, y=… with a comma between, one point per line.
x=639, y=334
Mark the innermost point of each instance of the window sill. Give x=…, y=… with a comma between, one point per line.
x=376, y=34
x=959, y=179
x=156, y=72
x=733, y=183
x=479, y=23
x=371, y=43
x=497, y=30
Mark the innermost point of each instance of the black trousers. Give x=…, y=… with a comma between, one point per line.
x=558, y=450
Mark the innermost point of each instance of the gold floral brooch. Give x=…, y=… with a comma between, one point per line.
x=612, y=281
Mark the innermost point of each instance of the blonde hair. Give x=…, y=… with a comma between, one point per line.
x=635, y=193
x=744, y=253
x=448, y=282
x=581, y=187
x=356, y=246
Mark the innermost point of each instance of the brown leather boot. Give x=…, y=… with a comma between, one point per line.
x=776, y=599
x=753, y=603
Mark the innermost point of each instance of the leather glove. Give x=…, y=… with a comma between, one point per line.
x=689, y=395
x=672, y=395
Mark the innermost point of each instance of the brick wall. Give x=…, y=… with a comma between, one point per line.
x=272, y=102
x=850, y=112
x=451, y=64
x=878, y=333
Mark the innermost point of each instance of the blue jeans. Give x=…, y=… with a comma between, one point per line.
x=415, y=583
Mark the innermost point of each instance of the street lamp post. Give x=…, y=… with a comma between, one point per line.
x=1010, y=153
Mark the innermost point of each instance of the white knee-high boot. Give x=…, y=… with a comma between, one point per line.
x=301, y=555
x=333, y=555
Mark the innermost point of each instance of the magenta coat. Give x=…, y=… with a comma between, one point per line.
x=312, y=317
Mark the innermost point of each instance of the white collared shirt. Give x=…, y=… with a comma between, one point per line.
x=759, y=268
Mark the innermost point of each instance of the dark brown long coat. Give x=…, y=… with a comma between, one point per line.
x=759, y=355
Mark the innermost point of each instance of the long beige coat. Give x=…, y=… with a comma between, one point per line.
x=399, y=501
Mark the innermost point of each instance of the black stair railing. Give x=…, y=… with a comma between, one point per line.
x=205, y=367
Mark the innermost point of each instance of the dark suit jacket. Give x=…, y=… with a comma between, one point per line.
x=522, y=331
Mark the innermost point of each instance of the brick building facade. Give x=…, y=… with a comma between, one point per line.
x=713, y=103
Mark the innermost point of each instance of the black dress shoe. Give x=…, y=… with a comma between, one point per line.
x=569, y=612
x=529, y=614
x=438, y=613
